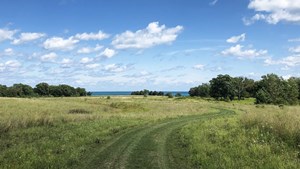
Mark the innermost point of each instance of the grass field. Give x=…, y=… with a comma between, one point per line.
x=147, y=132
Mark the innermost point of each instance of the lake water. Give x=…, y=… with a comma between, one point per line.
x=126, y=93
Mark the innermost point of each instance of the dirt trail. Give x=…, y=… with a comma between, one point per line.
x=145, y=147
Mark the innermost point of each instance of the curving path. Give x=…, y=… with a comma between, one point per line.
x=147, y=146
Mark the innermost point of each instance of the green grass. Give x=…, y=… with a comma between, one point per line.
x=147, y=132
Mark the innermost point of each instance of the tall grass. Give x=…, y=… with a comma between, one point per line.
x=56, y=132
x=282, y=122
x=23, y=113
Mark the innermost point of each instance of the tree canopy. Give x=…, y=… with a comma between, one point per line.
x=271, y=89
x=41, y=89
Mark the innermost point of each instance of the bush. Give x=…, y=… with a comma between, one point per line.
x=170, y=95
x=79, y=111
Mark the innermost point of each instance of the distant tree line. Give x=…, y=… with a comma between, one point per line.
x=147, y=92
x=271, y=89
x=41, y=89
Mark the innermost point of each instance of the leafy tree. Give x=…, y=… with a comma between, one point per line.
x=276, y=90
x=297, y=80
x=81, y=91
x=193, y=91
x=239, y=87
x=250, y=88
x=20, y=90
x=222, y=87
x=272, y=85
x=67, y=90
x=291, y=91
x=203, y=90
x=55, y=91
x=263, y=97
x=169, y=94
x=42, y=89
x=3, y=90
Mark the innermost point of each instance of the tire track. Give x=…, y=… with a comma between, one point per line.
x=144, y=147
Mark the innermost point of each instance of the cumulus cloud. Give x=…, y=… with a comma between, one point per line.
x=199, y=67
x=108, y=53
x=274, y=11
x=10, y=65
x=240, y=53
x=236, y=39
x=290, y=61
x=86, y=60
x=6, y=34
x=87, y=50
x=92, y=36
x=153, y=35
x=50, y=57
x=58, y=43
x=26, y=37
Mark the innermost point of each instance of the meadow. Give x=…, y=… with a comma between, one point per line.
x=147, y=132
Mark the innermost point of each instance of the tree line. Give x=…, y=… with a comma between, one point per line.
x=147, y=92
x=42, y=89
x=271, y=89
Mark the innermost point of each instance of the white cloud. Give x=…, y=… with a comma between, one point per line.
x=274, y=11
x=87, y=50
x=26, y=37
x=58, y=43
x=49, y=57
x=92, y=66
x=295, y=49
x=108, y=53
x=151, y=36
x=286, y=77
x=115, y=68
x=92, y=36
x=10, y=65
x=6, y=34
x=66, y=61
x=236, y=39
x=86, y=60
x=290, y=61
x=240, y=53
x=7, y=52
x=199, y=67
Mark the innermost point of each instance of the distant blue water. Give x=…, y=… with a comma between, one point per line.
x=126, y=93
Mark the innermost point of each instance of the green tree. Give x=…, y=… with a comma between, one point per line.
x=291, y=91
x=203, y=90
x=3, y=90
x=42, y=89
x=20, y=90
x=169, y=94
x=222, y=87
x=81, y=91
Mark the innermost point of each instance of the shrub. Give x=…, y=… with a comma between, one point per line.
x=79, y=111
x=170, y=95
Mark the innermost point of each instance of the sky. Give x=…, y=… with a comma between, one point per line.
x=125, y=45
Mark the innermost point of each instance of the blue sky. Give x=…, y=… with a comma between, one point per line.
x=158, y=45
